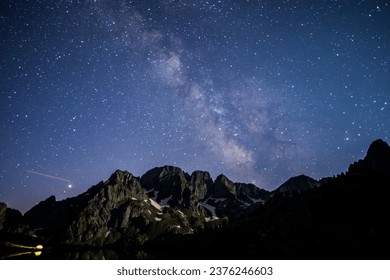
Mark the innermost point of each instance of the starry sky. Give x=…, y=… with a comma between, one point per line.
x=257, y=90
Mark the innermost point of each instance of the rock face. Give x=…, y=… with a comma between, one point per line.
x=127, y=209
x=225, y=198
x=171, y=186
x=3, y=209
x=108, y=211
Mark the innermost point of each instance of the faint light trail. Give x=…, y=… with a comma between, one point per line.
x=13, y=245
x=52, y=177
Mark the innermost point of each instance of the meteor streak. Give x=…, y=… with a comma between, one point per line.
x=52, y=177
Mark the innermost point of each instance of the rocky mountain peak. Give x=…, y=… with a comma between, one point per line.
x=120, y=177
x=201, y=176
x=223, y=187
x=160, y=174
x=297, y=184
x=42, y=208
x=377, y=158
x=378, y=155
x=164, y=171
x=201, y=182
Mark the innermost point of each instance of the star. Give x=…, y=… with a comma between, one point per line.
x=268, y=90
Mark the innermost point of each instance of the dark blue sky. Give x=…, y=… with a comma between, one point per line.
x=257, y=90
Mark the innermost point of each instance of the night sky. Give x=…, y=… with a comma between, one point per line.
x=257, y=90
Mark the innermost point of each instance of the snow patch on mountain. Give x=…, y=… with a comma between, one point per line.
x=164, y=202
x=155, y=204
x=211, y=209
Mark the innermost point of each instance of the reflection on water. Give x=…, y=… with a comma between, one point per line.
x=91, y=255
x=9, y=250
x=97, y=254
x=104, y=254
x=19, y=254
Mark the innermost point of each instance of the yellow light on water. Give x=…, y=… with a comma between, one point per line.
x=37, y=253
x=38, y=247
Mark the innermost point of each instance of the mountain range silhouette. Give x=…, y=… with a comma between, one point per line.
x=170, y=214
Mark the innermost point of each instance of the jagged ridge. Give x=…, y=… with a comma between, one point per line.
x=128, y=209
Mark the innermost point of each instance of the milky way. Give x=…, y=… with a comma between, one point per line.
x=257, y=90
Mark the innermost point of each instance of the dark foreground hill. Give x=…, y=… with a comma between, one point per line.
x=169, y=214
x=344, y=217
